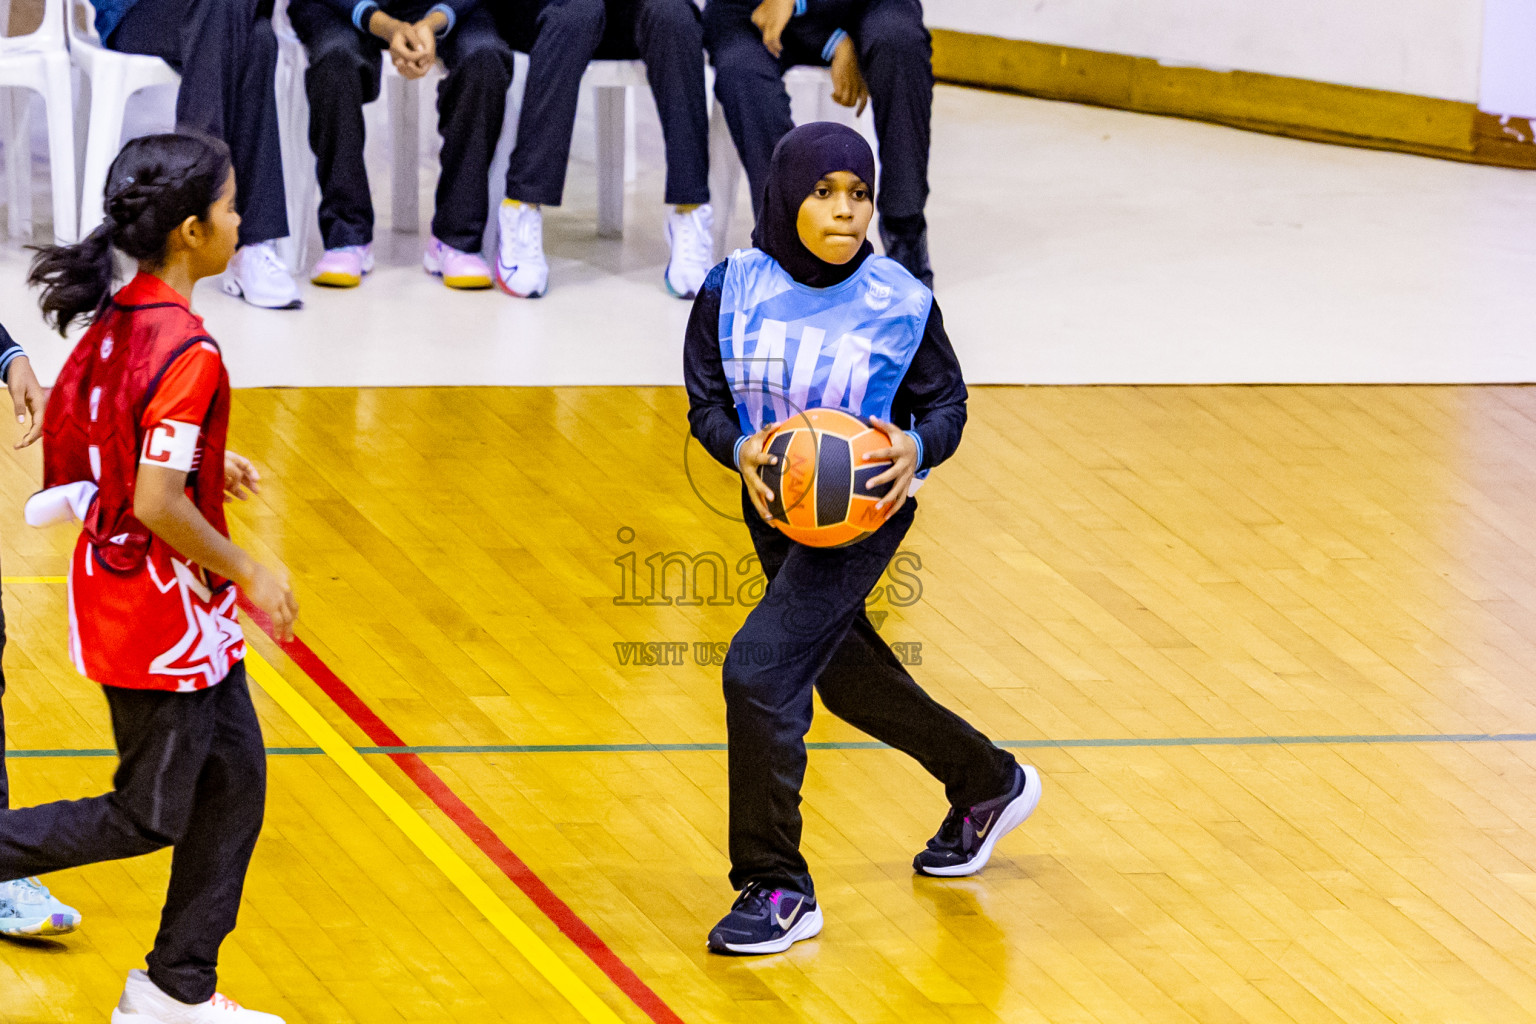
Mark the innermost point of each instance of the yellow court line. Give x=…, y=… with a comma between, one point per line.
x=416, y=829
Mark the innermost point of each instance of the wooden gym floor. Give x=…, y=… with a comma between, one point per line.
x=1271, y=649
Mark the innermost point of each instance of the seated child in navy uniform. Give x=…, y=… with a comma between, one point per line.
x=560, y=37
x=226, y=54
x=345, y=40
x=876, y=49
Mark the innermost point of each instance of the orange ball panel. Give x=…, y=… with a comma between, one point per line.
x=803, y=482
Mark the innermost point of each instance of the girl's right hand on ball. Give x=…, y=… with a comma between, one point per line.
x=750, y=459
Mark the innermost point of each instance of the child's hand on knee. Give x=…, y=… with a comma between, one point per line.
x=771, y=17
x=848, y=86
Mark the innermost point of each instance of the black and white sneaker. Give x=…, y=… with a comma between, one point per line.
x=764, y=920
x=965, y=840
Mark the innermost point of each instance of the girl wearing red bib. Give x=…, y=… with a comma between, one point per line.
x=134, y=447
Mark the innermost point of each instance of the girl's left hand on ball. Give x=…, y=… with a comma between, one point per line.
x=903, y=456
x=240, y=474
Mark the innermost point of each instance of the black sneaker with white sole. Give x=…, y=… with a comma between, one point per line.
x=764, y=920
x=965, y=840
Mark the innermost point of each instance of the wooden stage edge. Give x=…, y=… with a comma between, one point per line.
x=1274, y=104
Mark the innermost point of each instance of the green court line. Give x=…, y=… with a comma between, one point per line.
x=665, y=748
x=108, y=752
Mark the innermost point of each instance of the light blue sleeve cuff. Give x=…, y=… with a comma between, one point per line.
x=921, y=451
x=799, y=7
x=453, y=19
x=361, y=12
x=736, y=452
x=11, y=355
x=831, y=47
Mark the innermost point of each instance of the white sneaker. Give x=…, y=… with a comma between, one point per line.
x=28, y=908
x=691, y=236
x=144, y=1003
x=521, y=268
x=258, y=276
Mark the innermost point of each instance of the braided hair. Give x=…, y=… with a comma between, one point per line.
x=155, y=184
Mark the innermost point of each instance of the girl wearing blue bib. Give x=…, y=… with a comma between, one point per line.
x=812, y=318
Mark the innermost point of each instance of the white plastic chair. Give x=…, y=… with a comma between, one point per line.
x=113, y=78
x=402, y=97
x=300, y=186
x=38, y=61
x=610, y=82
x=810, y=99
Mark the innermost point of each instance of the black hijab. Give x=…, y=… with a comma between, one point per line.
x=801, y=159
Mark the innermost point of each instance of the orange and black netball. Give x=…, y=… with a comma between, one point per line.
x=821, y=492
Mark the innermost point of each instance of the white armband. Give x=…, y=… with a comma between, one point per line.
x=171, y=444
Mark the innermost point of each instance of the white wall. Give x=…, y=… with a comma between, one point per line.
x=1425, y=47
x=1509, y=58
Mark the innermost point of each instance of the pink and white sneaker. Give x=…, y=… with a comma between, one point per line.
x=457, y=269
x=143, y=1002
x=343, y=267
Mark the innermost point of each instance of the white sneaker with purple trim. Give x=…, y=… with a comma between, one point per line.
x=256, y=275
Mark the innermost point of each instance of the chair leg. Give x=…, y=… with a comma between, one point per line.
x=101, y=144
x=610, y=161
x=497, y=178
x=58, y=102
x=18, y=172
x=805, y=97
x=724, y=177
x=631, y=141
x=82, y=119
x=299, y=180
x=405, y=143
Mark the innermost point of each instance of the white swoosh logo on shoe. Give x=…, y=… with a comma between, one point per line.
x=784, y=923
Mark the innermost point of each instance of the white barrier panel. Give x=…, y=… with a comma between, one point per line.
x=1422, y=47
x=1508, y=83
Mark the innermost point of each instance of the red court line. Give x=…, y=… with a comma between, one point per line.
x=470, y=823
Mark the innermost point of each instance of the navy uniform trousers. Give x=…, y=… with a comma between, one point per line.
x=226, y=53
x=896, y=57
x=344, y=69
x=560, y=37
x=811, y=629
x=191, y=774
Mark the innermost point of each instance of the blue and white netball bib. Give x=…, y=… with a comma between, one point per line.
x=787, y=348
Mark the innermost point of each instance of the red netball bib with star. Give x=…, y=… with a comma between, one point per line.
x=145, y=385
